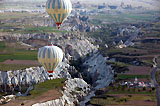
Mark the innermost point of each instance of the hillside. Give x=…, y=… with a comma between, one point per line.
x=110, y=51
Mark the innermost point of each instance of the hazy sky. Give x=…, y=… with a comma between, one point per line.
x=145, y=3
x=101, y=1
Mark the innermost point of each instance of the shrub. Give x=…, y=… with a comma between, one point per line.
x=144, y=88
x=153, y=88
x=128, y=89
x=123, y=88
x=134, y=89
x=123, y=100
x=130, y=96
x=139, y=90
x=78, y=89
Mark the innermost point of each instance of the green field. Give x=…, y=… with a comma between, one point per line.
x=125, y=77
x=28, y=29
x=15, y=15
x=2, y=45
x=34, y=29
x=19, y=55
x=46, y=86
x=8, y=67
x=10, y=53
x=16, y=54
x=125, y=17
x=120, y=100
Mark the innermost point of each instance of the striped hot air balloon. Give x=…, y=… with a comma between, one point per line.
x=58, y=10
x=49, y=57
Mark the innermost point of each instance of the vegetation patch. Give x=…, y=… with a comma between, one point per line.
x=119, y=67
x=158, y=61
x=16, y=54
x=34, y=29
x=107, y=100
x=43, y=87
x=120, y=99
x=158, y=77
x=8, y=67
x=2, y=45
x=125, y=90
x=21, y=55
x=125, y=76
x=47, y=85
x=126, y=17
x=78, y=89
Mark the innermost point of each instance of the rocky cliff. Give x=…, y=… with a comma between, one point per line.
x=100, y=72
x=75, y=90
x=75, y=45
x=30, y=76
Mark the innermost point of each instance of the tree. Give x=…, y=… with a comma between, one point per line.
x=144, y=88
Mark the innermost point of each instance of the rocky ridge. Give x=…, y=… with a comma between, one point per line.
x=10, y=80
x=75, y=89
x=76, y=45
x=100, y=71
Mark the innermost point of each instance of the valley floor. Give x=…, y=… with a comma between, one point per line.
x=42, y=98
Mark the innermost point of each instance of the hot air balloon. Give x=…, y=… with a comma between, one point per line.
x=58, y=10
x=49, y=57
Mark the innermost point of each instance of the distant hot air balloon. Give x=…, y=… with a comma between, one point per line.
x=58, y=10
x=49, y=57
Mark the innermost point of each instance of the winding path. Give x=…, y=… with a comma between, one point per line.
x=153, y=74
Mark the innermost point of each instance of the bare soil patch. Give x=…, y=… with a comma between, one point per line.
x=50, y=95
x=139, y=70
x=136, y=101
x=24, y=62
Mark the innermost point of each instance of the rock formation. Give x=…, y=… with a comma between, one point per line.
x=101, y=73
x=31, y=76
x=75, y=90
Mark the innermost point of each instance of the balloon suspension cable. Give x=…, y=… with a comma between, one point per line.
x=50, y=76
x=51, y=43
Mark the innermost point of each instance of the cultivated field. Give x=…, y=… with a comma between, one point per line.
x=13, y=58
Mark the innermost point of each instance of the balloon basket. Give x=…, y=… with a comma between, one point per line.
x=59, y=27
x=50, y=76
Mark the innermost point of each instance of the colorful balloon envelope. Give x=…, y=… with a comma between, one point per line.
x=58, y=10
x=49, y=57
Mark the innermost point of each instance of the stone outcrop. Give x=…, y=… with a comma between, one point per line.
x=29, y=76
x=5, y=99
x=75, y=90
x=75, y=45
x=100, y=72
